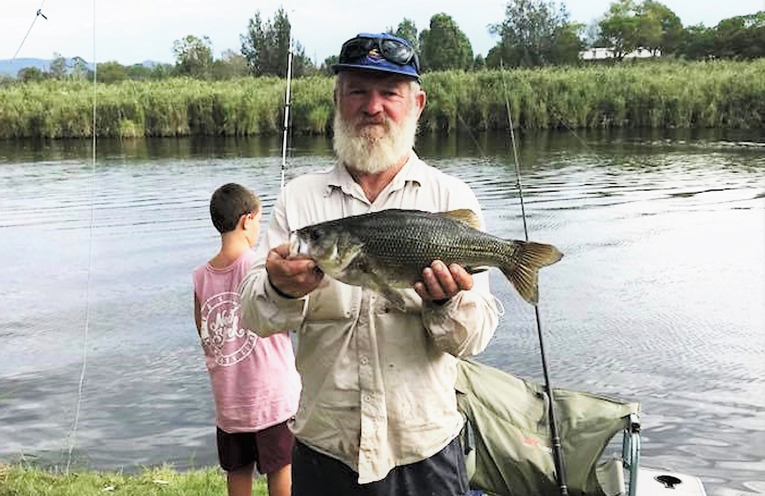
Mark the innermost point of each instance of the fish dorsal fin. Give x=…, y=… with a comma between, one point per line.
x=466, y=216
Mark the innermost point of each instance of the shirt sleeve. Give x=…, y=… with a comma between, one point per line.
x=263, y=309
x=464, y=325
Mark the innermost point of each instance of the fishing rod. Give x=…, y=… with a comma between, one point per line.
x=38, y=14
x=286, y=111
x=560, y=468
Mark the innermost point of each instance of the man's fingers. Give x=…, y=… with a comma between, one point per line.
x=283, y=250
x=462, y=278
x=278, y=260
x=291, y=276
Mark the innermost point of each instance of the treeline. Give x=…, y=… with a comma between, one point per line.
x=710, y=94
x=534, y=33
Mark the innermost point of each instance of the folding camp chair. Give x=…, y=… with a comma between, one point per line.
x=508, y=436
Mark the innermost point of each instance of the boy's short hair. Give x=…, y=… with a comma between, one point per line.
x=229, y=203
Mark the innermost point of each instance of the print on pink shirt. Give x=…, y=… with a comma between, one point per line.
x=221, y=331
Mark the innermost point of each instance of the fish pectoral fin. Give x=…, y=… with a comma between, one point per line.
x=381, y=286
x=341, y=260
x=466, y=216
x=394, y=297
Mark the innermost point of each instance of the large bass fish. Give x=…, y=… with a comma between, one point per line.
x=390, y=248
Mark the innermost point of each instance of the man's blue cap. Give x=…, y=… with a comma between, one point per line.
x=375, y=59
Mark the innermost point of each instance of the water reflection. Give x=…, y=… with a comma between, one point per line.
x=659, y=297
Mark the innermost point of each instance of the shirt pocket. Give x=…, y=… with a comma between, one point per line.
x=333, y=300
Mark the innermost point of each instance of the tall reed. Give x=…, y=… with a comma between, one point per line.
x=669, y=94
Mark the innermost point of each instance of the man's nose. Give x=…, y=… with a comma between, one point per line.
x=374, y=103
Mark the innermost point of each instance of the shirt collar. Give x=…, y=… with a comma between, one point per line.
x=413, y=171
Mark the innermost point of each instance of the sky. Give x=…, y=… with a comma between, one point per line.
x=132, y=31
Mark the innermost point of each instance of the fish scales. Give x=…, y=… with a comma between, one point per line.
x=416, y=241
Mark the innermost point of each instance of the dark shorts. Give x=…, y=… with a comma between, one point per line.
x=270, y=449
x=443, y=474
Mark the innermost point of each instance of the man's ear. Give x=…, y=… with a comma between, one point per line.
x=420, y=99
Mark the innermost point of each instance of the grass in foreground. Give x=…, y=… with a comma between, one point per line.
x=19, y=480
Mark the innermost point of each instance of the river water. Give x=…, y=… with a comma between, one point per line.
x=660, y=297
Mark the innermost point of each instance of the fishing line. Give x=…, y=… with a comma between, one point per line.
x=38, y=14
x=73, y=434
x=560, y=469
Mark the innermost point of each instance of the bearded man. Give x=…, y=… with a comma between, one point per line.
x=378, y=413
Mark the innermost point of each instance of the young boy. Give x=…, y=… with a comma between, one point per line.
x=254, y=380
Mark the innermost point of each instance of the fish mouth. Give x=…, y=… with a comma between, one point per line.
x=298, y=247
x=294, y=244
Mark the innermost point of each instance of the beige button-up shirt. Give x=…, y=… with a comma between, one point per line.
x=378, y=383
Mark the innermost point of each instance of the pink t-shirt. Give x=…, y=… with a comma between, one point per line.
x=254, y=379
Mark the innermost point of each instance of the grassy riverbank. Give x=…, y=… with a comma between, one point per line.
x=16, y=480
x=720, y=94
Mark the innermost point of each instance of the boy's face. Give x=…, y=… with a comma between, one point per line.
x=252, y=227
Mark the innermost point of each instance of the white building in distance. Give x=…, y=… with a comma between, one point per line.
x=608, y=53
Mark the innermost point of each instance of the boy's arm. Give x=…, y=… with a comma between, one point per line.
x=264, y=311
x=198, y=315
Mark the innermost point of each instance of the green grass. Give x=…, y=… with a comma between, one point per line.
x=656, y=95
x=19, y=480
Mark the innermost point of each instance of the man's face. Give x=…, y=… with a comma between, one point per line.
x=375, y=119
x=368, y=100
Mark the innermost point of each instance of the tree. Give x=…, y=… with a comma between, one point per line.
x=58, y=66
x=140, y=72
x=301, y=64
x=698, y=42
x=741, y=36
x=444, y=46
x=80, y=68
x=659, y=28
x=620, y=28
x=407, y=30
x=29, y=74
x=111, y=72
x=326, y=66
x=479, y=63
x=266, y=45
x=162, y=71
x=193, y=56
x=535, y=33
x=230, y=65
x=591, y=35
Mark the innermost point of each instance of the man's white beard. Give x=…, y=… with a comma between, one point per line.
x=372, y=155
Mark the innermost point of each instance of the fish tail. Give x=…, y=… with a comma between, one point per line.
x=522, y=268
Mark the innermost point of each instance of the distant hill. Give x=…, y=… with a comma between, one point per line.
x=12, y=68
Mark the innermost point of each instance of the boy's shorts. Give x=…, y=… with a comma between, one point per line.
x=270, y=449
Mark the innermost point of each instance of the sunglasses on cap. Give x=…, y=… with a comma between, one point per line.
x=390, y=49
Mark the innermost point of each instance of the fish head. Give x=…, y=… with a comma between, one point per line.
x=332, y=248
x=299, y=245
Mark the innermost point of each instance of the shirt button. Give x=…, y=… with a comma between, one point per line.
x=367, y=398
x=364, y=360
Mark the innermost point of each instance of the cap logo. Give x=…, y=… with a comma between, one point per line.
x=374, y=53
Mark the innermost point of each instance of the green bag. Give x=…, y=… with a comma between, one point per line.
x=509, y=421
